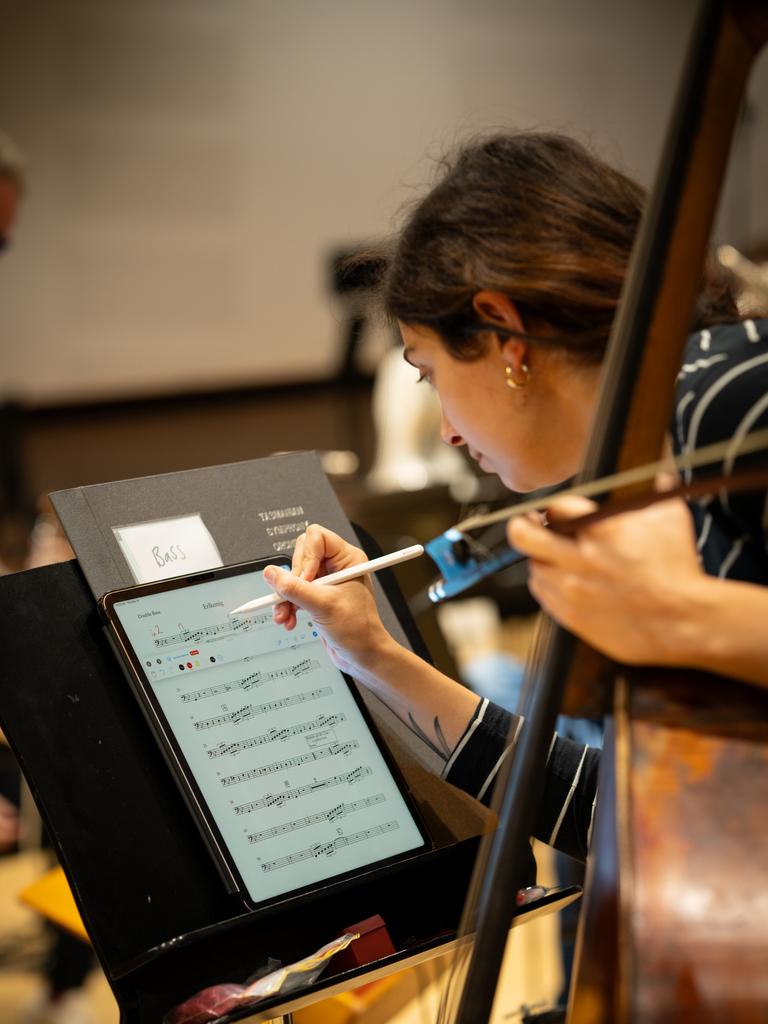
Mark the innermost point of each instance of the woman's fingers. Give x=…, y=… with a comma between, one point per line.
x=538, y=542
x=570, y=507
x=297, y=559
x=531, y=537
x=666, y=480
x=295, y=590
x=344, y=615
x=557, y=592
x=317, y=552
x=284, y=614
x=634, y=579
x=314, y=552
x=307, y=563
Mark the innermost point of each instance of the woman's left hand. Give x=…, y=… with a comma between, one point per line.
x=622, y=584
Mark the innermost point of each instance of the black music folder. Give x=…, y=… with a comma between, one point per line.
x=252, y=509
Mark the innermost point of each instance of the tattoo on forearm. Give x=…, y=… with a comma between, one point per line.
x=441, y=748
x=441, y=737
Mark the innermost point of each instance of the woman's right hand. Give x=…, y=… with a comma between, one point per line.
x=345, y=614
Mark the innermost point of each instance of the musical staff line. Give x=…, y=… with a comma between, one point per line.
x=253, y=680
x=332, y=814
x=214, y=632
x=335, y=749
x=329, y=849
x=251, y=710
x=284, y=796
x=272, y=735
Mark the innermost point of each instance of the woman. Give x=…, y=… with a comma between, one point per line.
x=504, y=282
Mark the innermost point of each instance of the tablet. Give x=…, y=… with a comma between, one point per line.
x=268, y=741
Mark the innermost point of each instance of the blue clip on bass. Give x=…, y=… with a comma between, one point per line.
x=462, y=562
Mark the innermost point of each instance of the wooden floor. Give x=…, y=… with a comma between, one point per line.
x=531, y=973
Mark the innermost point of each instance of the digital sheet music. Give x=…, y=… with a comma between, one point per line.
x=275, y=740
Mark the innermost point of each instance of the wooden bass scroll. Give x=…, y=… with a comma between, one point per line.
x=679, y=853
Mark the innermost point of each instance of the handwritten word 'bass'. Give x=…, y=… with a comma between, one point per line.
x=174, y=553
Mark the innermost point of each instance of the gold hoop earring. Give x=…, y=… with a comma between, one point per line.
x=510, y=380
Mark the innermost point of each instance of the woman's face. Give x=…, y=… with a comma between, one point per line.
x=532, y=436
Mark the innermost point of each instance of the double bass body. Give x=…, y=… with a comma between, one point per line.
x=674, y=925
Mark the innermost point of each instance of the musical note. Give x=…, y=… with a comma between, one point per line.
x=282, y=797
x=335, y=749
x=251, y=710
x=329, y=849
x=215, y=632
x=245, y=684
x=332, y=814
x=253, y=680
x=321, y=722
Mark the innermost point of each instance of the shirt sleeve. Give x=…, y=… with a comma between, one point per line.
x=564, y=816
x=722, y=395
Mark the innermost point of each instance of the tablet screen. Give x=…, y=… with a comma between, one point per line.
x=272, y=735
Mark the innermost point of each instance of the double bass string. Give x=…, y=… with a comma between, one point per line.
x=754, y=442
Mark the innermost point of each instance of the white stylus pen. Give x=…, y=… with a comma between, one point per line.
x=352, y=573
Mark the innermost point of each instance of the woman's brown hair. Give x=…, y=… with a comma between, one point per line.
x=538, y=218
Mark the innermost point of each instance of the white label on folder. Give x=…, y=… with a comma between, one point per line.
x=168, y=547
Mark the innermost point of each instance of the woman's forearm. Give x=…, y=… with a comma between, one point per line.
x=433, y=705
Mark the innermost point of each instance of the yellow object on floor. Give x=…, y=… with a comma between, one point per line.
x=377, y=1002
x=52, y=897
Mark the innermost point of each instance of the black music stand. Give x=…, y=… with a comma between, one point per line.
x=157, y=913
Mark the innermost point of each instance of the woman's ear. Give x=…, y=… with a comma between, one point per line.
x=496, y=308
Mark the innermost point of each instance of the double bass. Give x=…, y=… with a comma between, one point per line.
x=674, y=925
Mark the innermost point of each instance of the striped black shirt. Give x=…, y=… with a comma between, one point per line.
x=721, y=393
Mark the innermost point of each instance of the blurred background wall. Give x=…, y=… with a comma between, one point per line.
x=193, y=161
